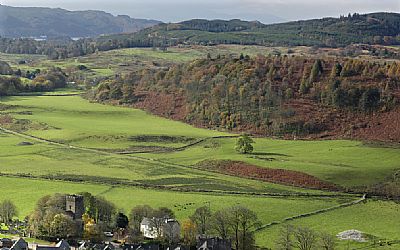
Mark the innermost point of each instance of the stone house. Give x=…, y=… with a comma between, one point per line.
x=170, y=229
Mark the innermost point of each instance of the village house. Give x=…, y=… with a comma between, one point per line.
x=61, y=245
x=143, y=246
x=20, y=244
x=102, y=246
x=170, y=229
x=213, y=243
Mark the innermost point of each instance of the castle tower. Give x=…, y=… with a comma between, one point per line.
x=74, y=204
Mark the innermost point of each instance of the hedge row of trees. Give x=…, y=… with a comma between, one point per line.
x=236, y=93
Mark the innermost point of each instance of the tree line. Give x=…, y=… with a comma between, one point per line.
x=39, y=81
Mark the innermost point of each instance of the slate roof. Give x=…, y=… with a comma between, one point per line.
x=20, y=244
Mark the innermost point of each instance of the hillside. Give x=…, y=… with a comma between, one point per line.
x=374, y=28
x=35, y=22
x=283, y=96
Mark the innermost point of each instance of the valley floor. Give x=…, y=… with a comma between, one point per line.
x=65, y=144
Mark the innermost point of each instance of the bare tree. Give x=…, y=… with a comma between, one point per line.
x=305, y=238
x=157, y=223
x=285, y=241
x=201, y=218
x=158, y=219
x=7, y=211
x=327, y=241
x=243, y=222
x=220, y=223
x=137, y=214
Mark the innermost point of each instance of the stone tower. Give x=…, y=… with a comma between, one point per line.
x=74, y=204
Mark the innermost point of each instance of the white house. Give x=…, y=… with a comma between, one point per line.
x=168, y=228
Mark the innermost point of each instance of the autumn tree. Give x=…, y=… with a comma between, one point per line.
x=189, y=232
x=91, y=231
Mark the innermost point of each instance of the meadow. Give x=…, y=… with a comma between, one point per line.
x=377, y=219
x=74, y=121
x=343, y=162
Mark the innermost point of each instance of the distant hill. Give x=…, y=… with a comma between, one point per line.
x=34, y=22
x=374, y=28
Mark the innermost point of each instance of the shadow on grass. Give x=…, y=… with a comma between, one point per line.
x=268, y=154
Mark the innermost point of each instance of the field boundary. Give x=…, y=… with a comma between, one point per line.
x=320, y=211
x=123, y=182
x=178, y=149
x=115, y=182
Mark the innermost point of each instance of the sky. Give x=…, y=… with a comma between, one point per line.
x=267, y=11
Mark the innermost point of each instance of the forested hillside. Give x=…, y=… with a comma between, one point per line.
x=34, y=22
x=286, y=96
x=376, y=28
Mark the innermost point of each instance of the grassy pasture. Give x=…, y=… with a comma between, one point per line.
x=379, y=219
x=75, y=121
x=347, y=163
x=42, y=159
x=183, y=204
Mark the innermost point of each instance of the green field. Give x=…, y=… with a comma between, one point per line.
x=74, y=121
x=377, y=218
x=346, y=163
x=269, y=209
x=83, y=154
